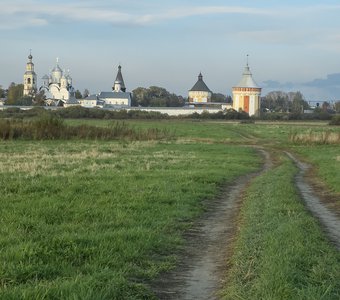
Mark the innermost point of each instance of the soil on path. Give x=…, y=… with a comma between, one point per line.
x=202, y=266
x=328, y=219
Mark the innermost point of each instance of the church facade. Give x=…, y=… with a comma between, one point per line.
x=58, y=86
x=247, y=94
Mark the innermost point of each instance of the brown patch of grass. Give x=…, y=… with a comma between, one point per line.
x=324, y=137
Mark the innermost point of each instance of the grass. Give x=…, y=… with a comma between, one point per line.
x=97, y=220
x=324, y=137
x=50, y=127
x=281, y=252
x=86, y=218
x=326, y=160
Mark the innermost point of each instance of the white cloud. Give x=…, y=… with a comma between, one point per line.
x=185, y=12
x=30, y=11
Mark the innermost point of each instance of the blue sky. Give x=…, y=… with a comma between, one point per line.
x=292, y=45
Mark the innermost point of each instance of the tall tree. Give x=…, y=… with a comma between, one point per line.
x=155, y=96
x=298, y=103
x=279, y=101
x=86, y=93
x=14, y=94
x=337, y=106
x=217, y=97
x=78, y=94
x=2, y=92
x=325, y=106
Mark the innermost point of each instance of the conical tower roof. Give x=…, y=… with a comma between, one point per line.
x=119, y=79
x=247, y=80
x=200, y=85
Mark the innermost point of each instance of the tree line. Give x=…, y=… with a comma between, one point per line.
x=293, y=102
x=154, y=96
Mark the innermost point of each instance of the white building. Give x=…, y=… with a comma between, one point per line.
x=58, y=87
x=247, y=94
x=30, y=78
x=117, y=98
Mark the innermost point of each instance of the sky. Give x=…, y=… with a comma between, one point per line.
x=292, y=45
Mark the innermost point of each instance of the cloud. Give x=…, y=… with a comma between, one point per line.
x=273, y=84
x=327, y=88
x=185, y=12
x=331, y=81
x=33, y=13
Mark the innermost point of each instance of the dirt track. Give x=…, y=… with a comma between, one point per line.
x=202, y=266
x=329, y=221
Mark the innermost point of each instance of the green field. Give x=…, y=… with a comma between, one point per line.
x=90, y=219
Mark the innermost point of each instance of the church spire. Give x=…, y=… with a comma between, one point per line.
x=30, y=77
x=119, y=84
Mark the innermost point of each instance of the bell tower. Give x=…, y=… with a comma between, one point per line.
x=30, y=78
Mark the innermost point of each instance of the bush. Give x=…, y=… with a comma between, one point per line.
x=335, y=120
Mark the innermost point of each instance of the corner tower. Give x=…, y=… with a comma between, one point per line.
x=119, y=85
x=247, y=94
x=200, y=93
x=30, y=78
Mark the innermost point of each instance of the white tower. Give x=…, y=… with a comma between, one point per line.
x=63, y=81
x=247, y=94
x=56, y=73
x=30, y=78
x=119, y=85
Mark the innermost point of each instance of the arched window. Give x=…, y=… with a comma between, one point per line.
x=29, y=80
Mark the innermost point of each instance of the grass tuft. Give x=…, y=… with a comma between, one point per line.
x=307, y=138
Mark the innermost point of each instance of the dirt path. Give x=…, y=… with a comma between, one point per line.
x=329, y=221
x=203, y=264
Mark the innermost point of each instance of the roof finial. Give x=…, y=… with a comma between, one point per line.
x=247, y=60
x=57, y=60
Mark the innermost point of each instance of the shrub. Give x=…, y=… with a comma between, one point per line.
x=335, y=120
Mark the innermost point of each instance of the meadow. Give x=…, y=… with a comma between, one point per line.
x=99, y=219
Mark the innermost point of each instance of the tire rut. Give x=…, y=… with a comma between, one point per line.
x=329, y=220
x=203, y=263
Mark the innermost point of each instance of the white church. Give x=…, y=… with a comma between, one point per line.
x=59, y=90
x=58, y=87
x=117, y=98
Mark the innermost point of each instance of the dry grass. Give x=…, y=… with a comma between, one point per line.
x=39, y=161
x=311, y=137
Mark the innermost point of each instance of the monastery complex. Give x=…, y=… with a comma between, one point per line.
x=59, y=91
